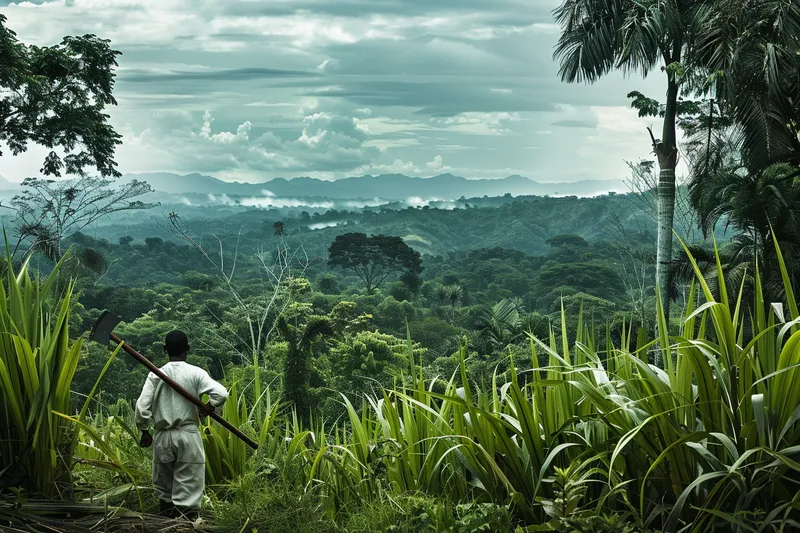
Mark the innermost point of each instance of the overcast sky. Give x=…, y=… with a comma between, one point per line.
x=251, y=90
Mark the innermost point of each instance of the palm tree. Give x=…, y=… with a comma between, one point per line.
x=759, y=206
x=601, y=36
x=297, y=366
x=752, y=203
x=501, y=324
x=455, y=293
x=754, y=49
x=441, y=292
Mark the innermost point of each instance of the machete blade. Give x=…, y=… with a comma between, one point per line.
x=101, y=332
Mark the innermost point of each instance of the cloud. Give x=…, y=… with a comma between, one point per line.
x=329, y=65
x=481, y=123
x=575, y=123
x=271, y=202
x=619, y=134
x=251, y=90
x=239, y=74
x=436, y=164
x=326, y=142
x=437, y=98
x=356, y=8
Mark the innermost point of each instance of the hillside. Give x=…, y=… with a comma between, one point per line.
x=523, y=223
x=389, y=187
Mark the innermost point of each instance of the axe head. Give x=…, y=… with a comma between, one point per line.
x=101, y=332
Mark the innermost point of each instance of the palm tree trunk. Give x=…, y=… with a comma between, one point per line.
x=666, y=216
x=667, y=153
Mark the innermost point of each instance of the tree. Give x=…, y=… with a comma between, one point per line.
x=400, y=292
x=567, y=240
x=296, y=367
x=49, y=211
x=153, y=243
x=634, y=263
x=126, y=240
x=374, y=258
x=629, y=35
x=500, y=325
x=279, y=229
x=439, y=289
x=198, y=281
x=643, y=185
x=752, y=203
x=412, y=281
x=455, y=293
x=328, y=284
x=55, y=96
x=369, y=360
x=256, y=310
x=761, y=206
x=752, y=49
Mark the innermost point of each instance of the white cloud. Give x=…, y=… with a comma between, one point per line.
x=271, y=104
x=619, y=119
x=481, y=123
x=329, y=65
x=327, y=141
x=436, y=164
x=620, y=135
x=272, y=202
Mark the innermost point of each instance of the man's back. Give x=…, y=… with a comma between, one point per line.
x=178, y=454
x=169, y=410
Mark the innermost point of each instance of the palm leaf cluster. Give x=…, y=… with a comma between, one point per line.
x=751, y=49
x=758, y=207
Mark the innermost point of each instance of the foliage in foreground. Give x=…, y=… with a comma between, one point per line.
x=37, y=363
x=596, y=440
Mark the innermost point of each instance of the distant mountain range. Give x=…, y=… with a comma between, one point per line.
x=6, y=185
x=390, y=187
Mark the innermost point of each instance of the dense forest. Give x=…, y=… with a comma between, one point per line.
x=627, y=362
x=491, y=294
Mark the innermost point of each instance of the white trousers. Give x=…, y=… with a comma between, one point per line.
x=179, y=468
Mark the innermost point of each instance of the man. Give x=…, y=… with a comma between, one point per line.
x=179, y=459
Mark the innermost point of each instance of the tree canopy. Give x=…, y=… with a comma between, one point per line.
x=374, y=258
x=55, y=96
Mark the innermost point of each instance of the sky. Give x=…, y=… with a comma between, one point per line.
x=250, y=90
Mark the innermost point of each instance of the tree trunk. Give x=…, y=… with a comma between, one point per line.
x=667, y=153
x=666, y=216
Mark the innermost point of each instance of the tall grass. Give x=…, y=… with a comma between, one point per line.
x=598, y=439
x=37, y=364
x=709, y=441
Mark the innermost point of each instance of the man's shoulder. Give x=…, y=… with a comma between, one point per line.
x=196, y=369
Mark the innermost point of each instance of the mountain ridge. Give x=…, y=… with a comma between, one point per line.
x=384, y=186
x=6, y=185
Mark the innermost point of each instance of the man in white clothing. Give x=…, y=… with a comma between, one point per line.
x=179, y=460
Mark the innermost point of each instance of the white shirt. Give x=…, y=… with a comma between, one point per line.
x=167, y=409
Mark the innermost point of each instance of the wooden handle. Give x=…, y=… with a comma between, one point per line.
x=183, y=392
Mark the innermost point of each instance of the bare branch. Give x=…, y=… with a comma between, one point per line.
x=256, y=311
